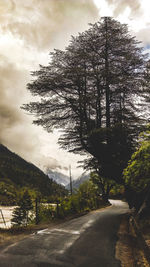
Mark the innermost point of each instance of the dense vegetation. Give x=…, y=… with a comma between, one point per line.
x=137, y=174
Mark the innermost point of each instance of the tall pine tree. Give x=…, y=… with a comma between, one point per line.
x=91, y=90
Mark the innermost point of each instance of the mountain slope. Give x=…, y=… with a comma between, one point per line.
x=76, y=183
x=20, y=173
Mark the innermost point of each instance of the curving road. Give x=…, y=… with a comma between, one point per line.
x=87, y=241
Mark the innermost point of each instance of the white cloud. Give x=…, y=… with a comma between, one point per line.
x=135, y=13
x=104, y=8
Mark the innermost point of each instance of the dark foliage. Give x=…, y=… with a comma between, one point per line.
x=90, y=90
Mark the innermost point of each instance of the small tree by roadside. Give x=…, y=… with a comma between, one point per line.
x=17, y=216
x=21, y=213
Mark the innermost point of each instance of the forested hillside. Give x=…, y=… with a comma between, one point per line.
x=16, y=173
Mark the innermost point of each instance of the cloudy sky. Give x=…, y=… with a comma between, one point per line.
x=29, y=30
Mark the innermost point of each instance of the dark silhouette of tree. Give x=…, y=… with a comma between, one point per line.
x=90, y=91
x=146, y=85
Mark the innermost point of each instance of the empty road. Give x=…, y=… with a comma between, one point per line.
x=87, y=241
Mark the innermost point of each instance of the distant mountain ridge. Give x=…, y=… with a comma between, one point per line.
x=58, y=177
x=76, y=183
x=65, y=180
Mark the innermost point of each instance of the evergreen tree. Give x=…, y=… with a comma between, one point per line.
x=146, y=107
x=20, y=214
x=90, y=91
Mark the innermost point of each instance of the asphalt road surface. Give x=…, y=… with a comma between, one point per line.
x=86, y=241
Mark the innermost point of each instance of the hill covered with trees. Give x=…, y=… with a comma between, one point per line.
x=16, y=174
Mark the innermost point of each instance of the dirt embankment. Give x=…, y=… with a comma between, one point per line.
x=130, y=249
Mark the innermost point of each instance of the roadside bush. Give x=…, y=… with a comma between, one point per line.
x=46, y=213
x=20, y=214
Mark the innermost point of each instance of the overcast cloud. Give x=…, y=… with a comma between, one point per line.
x=120, y=5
